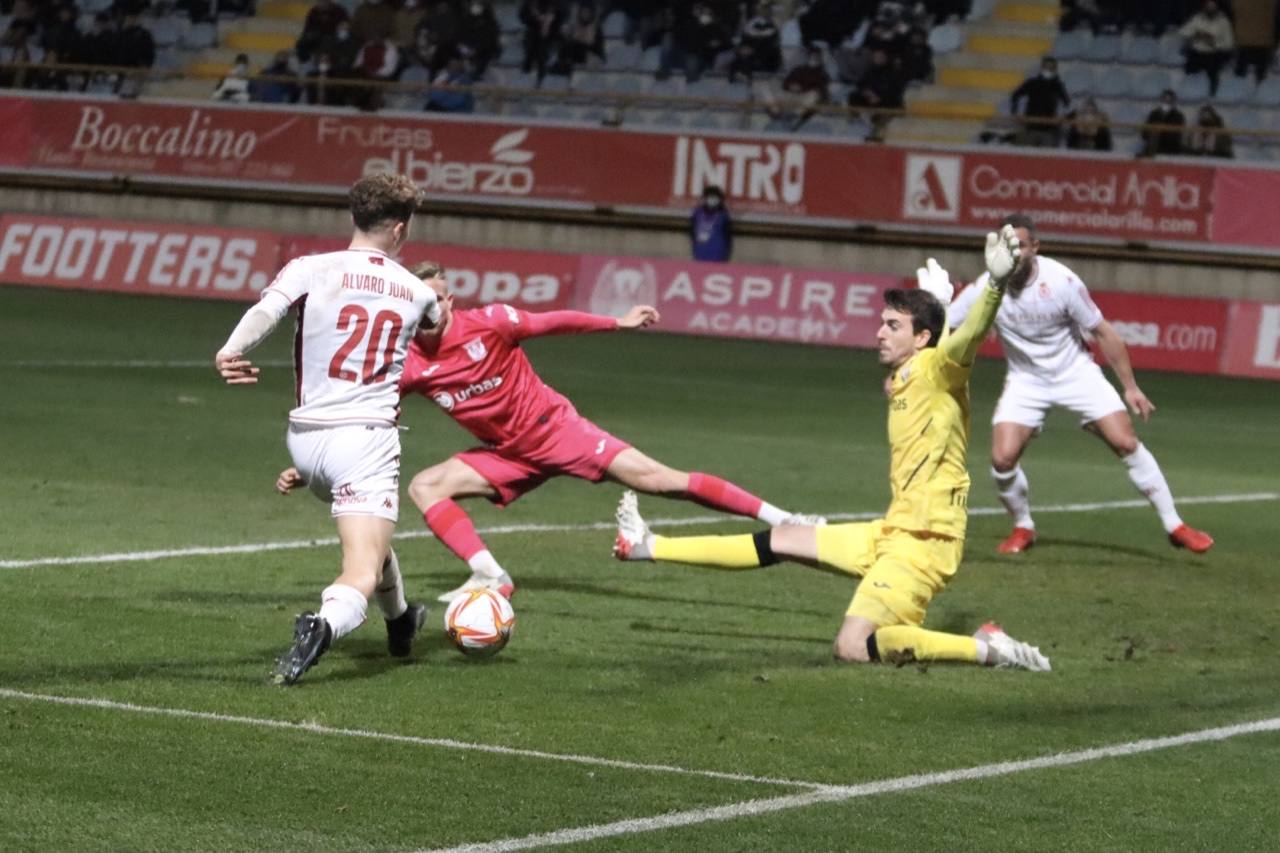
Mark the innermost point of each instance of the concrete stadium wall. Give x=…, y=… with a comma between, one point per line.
x=1174, y=278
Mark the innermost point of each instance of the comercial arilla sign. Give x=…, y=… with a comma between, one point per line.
x=788, y=178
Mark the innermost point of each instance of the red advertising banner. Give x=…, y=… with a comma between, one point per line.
x=538, y=281
x=1254, y=345
x=739, y=301
x=1244, y=208
x=137, y=257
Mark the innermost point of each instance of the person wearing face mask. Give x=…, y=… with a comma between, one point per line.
x=711, y=228
x=1163, y=134
x=1044, y=94
x=235, y=86
x=321, y=25
x=695, y=41
x=478, y=35
x=1209, y=42
x=1088, y=128
x=1209, y=138
x=805, y=86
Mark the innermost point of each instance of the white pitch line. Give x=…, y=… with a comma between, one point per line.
x=443, y=743
x=296, y=544
x=131, y=363
x=751, y=808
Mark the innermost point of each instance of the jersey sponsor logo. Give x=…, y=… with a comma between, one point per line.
x=448, y=400
x=476, y=349
x=764, y=172
x=932, y=187
x=506, y=173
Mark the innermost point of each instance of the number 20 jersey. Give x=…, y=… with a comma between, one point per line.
x=357, y=311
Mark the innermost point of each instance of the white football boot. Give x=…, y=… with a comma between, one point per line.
x=1006, y=652
x=634, y=541
x=502, y=585
x=799, y=519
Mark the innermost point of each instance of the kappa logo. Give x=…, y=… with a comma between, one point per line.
x=476, y=349
x=932, y=187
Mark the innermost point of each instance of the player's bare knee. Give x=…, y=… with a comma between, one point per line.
x=1125, y=445
x=1003, y=462
x=427, y=487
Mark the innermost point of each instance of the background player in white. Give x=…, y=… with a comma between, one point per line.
x=1042, y=322
x=357, y=310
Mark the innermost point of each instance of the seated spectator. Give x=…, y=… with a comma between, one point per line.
x=275, y=83
x=1079, y=13
x=1255, y=31
x=640, y=17
x=1209, y=137
x=1163, y=133
x=889, y=31
x=804, y=87
x=137, y=47
x=831, y=21
x=320, y=89
x=881, y=87
x=235, y=86
x=696, y=40
x=479, y=37
x=377, y=60
x=1210, y=42
x=100, y=47
x=451, y=100
x=405, y=23
x=581, y=41
x=62, y=35
x=917, y=58
x=372, y=20
x=759, y=49
x=341, y=48
x=1088, y=128
x=321, y=25
x=431, y=53
x=1044, y=93
x=543, y=20
x=20, y=51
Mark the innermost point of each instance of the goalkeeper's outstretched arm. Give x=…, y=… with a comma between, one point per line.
x=1002, y=256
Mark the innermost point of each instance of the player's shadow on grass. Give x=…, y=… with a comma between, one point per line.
x=562, y=585
x=1036, y=555
x=683, y=631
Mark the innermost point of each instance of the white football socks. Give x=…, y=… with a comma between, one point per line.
x=1145, y=473
x=771, y=515
x=389, y=593
x=343, y=607
x=483, y=563
x=1015, y=493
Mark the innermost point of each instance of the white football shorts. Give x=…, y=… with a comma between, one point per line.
x=1026, y=399
x=355, y=469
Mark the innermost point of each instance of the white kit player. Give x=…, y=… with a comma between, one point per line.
x=1042, y=323
x=357, y=310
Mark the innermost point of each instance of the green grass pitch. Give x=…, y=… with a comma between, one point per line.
x=663, y=665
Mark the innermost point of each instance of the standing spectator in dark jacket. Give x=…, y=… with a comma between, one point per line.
x=101, y=46
x=695, y=42
x=137, y=47
x=1044, y=94
x=21, y=50
x=759, y=49
x=1088, y=128
x=710, y=227
x=581, y=39
x=479, y=35
x=1165, y=123
x=832, y=21
x=279, y=87
x=372, y=20
x=917, y=58
x=542, y=21
x=63, y=36
x=321, y=24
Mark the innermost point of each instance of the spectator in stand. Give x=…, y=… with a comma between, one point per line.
x=321, y=26
x=404, y=26
x=377, y=60
x=137, y=47
x=889, y=31
x=1088, y=128
x=1209, y=44
x=101, y=46
x=320, y=83
x=1079, y=13
x=917, y=58
x=62, y=35
x=1209, y=137
x=372, y=20
x=759, y=49
x=1163, y=133
x=804, y=87
x=543, y=20
x=341, y=48
x=581, y=41
x=1044, y=93
x=20, y=49
x=831, y=21
x=696, y=40
x=452, y=101
x=275, y=84
x=640, y=16
x=234, y=87
x=945, y=10
x=431, y=53
x=479, y=36
x=711, y=228
x=443, y=21
x=881, y=87
x=1255, y=30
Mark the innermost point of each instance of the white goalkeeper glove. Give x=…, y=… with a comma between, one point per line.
x=933, y=279
x=1003, y=252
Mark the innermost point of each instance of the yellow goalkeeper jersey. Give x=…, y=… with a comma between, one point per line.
x=929, y=429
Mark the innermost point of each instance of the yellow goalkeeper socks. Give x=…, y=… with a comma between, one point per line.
x=900, y=641
x=725, y=552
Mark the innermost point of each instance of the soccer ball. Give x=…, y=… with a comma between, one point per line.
x=479, y=622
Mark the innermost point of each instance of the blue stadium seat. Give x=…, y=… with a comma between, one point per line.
x=615, y=26
x=199, y=37
x=1235, y=90
x=1078, y=78
x=1169, y=51
x=1103, y=48
x=508, y=15
x=1244, y=118
x=1193, y=88
x=165, y=31
x=1150, y=82
x=650, y=59
x=1140, y=50
x=620, y=56
x=1114, y=82
x=1072, y=45
x=789, y=34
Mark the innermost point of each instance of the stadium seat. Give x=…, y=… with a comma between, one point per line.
x=1104, y=48
x=1114, y=82
x=1078, y=78
x=199, y=37
x=1268, y=92
x=1234, y=90
x=620, y=56
x=946, y=38
x=1150, y=82
x=508, y=15
x=823, y=126
x=789, y=34
x=166, y=31
x=1169, y=51
x=650, y=59
x=615, y=26
x=1125, y=111
x=1193, y=88
x=1244, y=118
x=554, y=111
x=1140, y=50
x=1072, y=45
